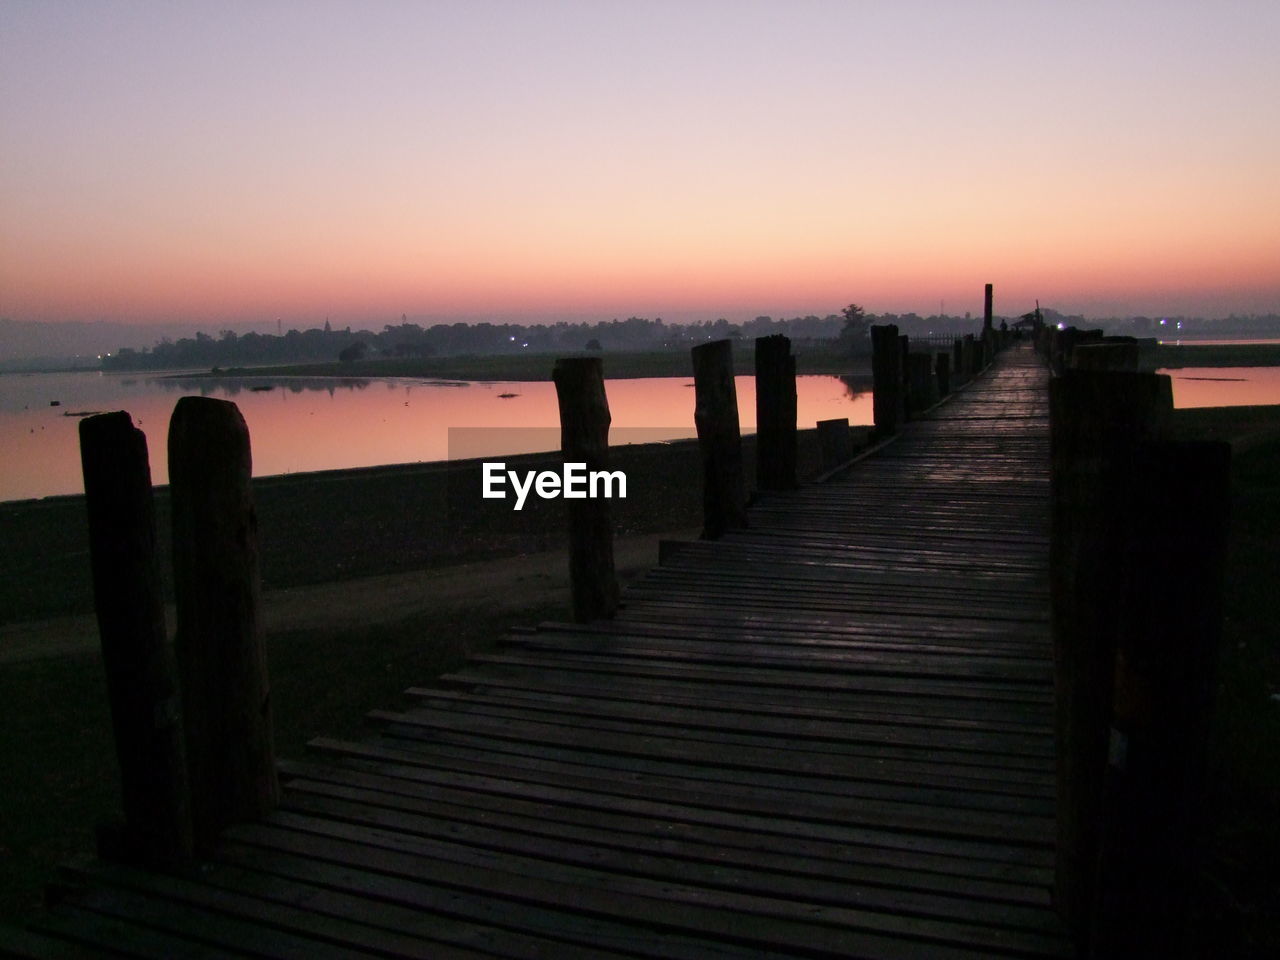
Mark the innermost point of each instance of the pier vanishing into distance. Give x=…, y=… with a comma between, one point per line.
x=829, y=733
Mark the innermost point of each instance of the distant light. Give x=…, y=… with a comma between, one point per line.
x=524, y=344
x=1163, y=322
x=513, y=339
x=1062, y=326
x=1179, y=324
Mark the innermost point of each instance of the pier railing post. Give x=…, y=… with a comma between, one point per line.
x=775, y=413
x=142, y=684
x=942, y=368
x=886, y=371
x=957, y=361
x=724, y=500
x=584, y=438
x=1113, y=353
x=969, y=357
x=835, y=441
x=987, y=317
x=221, y=661
x=1169, y=629
x=904, y=365
x=1097, y=420
x=923, y=392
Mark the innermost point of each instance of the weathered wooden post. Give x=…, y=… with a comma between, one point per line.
x=142, y=684
x=969, y=356
x=835, y=441
x=904, y=365
x=1169, y=628
x=724, y=501
x=1096, y=422
x=886, y=370
x=584, y=438
x=221, y=662
x=942, y=367
x=987, y=332
x=923, y=392
x=1118, y=355
x=957, y=361
x=775, y=413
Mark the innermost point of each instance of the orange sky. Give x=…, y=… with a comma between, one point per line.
x=607, y=159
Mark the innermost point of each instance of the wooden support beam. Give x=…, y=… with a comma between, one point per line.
x=584, y=438
x=1169, y=629
x=724, y=500
x=1097, y=420
x=942, y=369
x=221, y=661
x=886, y=371
x=835, y=442
x=775, y=413
x=142, y=684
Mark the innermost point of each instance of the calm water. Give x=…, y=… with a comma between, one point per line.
x=1224, y=386
x=305, y=424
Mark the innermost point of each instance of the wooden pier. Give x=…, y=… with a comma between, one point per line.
x=829, y=734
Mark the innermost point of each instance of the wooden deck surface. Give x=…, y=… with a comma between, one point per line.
x=826, y=736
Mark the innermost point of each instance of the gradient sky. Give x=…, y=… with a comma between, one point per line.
x=241, y=161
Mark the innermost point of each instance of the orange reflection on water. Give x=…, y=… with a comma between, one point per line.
x=1224, y=386
x=302, y=425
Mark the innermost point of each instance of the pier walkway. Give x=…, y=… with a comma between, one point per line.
x=825, y=736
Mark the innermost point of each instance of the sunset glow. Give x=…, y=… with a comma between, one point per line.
x=235, y=163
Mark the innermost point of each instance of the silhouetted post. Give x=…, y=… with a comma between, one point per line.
x=775, y=413
x=584, y=438
x=887, y=399
x=1118, y=353
x=986, y=313
x=942, y=366
x=969, y=356
x=142, y=685
x=904, y=365
x=221, y=661
x=1096, y=422
x=1166, y=668
x=835, y=441
x=957, y=361
x=724, y=501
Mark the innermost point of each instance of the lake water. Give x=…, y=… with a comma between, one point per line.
x=1224, y=386
x=311, y=423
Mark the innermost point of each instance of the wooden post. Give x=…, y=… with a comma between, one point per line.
x=957, y=361
x=1105, y=356
x=886, y=371
x=904, y=366
x=1165, y=674
x=142, y=684
x=221, y=661
x=724, y=501
x=1096, y=421
x=969, y=357
x=942, y=366
x=835, y=442
x=923, y=392
x=986, y=313
x=584, y=438
x=775, y=413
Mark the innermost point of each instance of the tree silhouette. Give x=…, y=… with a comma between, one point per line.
x=853, y=335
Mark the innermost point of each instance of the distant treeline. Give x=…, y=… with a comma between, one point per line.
x=405, y=339
x=410, y=340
